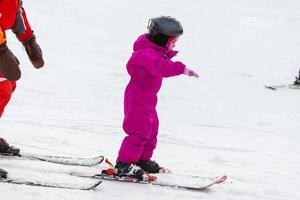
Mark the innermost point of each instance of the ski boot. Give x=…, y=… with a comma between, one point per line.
x=297, y=81
x=7, y=150
x=130, y=170
x=149, y=166
x=3, y=174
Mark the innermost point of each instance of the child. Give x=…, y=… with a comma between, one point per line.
x=12, y=16
x=148, y=65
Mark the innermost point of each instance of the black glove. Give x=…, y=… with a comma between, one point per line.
x=9, y=64
x=34, y=52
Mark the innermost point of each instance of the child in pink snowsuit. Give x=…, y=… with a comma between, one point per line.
x=148, y=65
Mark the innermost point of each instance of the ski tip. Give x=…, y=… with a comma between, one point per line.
x=270, y=87
x=95, y=185
x=222, y=179
x=101, y=159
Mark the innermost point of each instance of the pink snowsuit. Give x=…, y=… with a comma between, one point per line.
x=147, y=66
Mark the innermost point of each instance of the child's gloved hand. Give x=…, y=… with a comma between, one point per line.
x=190, y=73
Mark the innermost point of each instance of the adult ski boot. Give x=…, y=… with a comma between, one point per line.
x=297, y=81
x=3, y=174
x=6, y=149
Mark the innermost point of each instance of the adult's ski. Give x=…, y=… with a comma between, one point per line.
x=51, y=185
x=65, y=160
x=289, y=86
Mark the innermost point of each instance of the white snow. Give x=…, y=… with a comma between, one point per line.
x=225, y=122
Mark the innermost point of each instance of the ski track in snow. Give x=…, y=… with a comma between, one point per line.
x=225, y=122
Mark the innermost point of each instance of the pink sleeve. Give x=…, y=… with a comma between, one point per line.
x=162, y=67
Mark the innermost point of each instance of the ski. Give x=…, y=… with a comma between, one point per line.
x=206, y=181
x=290, y=86
x=65, y=160
x=50, y=185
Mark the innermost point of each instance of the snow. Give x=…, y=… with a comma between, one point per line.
x=225, y=122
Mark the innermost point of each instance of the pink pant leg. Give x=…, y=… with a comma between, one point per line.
x=131, y=148
x=150, y=145
x=141, y=128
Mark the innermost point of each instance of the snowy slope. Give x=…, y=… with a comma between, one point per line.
x=225, y=122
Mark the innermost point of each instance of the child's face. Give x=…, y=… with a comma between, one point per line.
x=172, y=42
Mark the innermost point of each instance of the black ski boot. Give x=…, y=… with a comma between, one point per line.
x=5, y=149
x=131, y=170
x=149, y=166
x=3, y=174
x=297, y=81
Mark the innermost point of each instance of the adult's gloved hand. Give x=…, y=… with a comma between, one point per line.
x=9, y=64
x=34, y=52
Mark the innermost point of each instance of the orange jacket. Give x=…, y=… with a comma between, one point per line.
x=9, y=10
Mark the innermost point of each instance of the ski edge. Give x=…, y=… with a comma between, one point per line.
x=98, y=160
x=50, y=185
x=65, y=160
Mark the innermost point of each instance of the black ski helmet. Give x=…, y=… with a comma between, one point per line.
x=166, y=25
x=162, y=28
